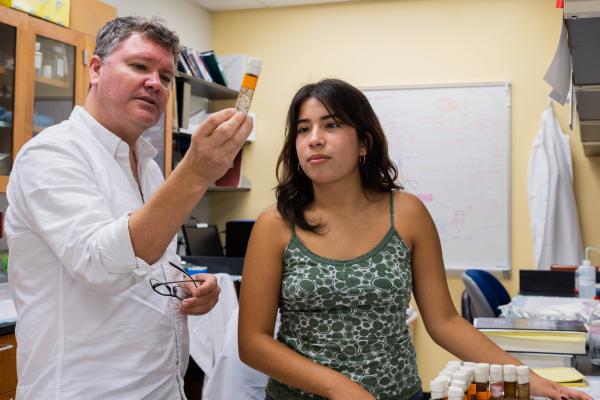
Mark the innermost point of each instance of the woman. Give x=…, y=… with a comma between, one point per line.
x=339, y=256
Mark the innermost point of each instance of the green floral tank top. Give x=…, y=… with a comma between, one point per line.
x=350, y=316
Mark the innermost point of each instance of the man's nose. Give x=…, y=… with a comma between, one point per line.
x=153, y=80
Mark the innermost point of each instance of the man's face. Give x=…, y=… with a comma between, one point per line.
x=132, y=85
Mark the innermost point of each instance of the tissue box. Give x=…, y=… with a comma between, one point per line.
x=57, y=11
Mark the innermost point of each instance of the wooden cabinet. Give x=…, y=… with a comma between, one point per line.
x=8, y=366
x=9, y=395
x=43, y=75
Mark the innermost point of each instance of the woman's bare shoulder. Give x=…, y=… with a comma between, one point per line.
x=271, y=222
x=409, y=205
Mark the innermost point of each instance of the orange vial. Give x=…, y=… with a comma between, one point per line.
x=249, y=81
x=482, y=374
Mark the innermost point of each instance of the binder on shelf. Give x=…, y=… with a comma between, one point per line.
x=190, y=63
x=233, y=178
x=214, y=68
x=198, y=67
x=203, y=70
x=182, y=65
x=535, y=336
x=184, y=91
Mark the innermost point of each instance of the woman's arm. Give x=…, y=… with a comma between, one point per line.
x=259, y=298
x=445, y=326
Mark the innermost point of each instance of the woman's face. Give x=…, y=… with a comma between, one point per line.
x=328, y=150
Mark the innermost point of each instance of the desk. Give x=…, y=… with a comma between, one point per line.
x=563, y=308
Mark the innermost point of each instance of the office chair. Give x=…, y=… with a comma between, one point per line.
x=237, y=234
x=485, y=294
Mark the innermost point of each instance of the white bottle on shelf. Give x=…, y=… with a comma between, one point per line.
x=38, y=59
x=586, y=277
x=586, y=280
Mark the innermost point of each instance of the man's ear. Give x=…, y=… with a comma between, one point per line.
x=94, y=69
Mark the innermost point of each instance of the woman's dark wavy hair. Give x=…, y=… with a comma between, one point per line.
x=349, y=105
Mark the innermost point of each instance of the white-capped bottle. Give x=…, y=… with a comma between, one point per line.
x=471, y=387
x=496, y=383
x=586, y=280
x=482, y=374
x=249, y=81
x=455, y=393
x=523, y=382
x=510, y=381
x=38, y=59
x=438, y=389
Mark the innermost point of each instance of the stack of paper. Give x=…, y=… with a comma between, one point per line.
x=565, y=376
x=537, y=336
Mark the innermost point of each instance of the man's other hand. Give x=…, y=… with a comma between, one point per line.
x=203, y=298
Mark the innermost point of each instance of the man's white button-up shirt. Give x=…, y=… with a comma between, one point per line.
x=89, y=324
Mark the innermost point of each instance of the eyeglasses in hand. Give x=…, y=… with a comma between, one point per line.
x=175, y=288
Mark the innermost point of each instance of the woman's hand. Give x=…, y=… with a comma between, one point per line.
x=545, y=388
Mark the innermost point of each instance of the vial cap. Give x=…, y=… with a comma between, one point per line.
x=482, y=371
x=459, y=382
x=510, y=372
x=446, y=379
x=454, y=363
x=470, y=371
x=455, y=393
x=469, y=364
x=523, y=374
x=496, y=372
x=253, y=66
x=447, y=374
x=437, y=385
x=461, y=375
x=38, y=45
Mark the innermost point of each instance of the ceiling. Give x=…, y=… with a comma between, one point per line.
x=222, y=5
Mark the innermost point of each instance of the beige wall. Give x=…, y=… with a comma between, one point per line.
x=192, y=22
x=401, y=43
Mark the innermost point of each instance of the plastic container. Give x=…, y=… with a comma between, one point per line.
x=586, y=280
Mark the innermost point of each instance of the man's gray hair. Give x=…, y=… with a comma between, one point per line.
x=119, y=29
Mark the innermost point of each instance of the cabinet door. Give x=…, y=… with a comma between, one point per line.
x=55, y=71
x=8, y=363
x=12, y=87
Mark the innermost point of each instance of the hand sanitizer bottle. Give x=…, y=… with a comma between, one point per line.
x=586, y=280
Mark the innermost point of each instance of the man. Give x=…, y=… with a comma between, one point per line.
x=90, y=225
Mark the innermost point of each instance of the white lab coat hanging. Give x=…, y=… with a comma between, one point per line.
x=554, y=218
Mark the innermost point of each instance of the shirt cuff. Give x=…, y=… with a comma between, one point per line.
x=116, y=249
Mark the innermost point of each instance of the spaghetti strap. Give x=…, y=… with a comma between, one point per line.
x=392, y=208
x=293, y=229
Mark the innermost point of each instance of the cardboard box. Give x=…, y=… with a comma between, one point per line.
x=57, y=11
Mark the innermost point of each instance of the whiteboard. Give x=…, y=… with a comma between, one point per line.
x=451, y=145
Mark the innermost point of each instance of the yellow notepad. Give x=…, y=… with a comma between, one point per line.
x=564, y=375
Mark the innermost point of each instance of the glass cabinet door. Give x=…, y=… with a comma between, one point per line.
x=54, y=96
x=8, y=34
